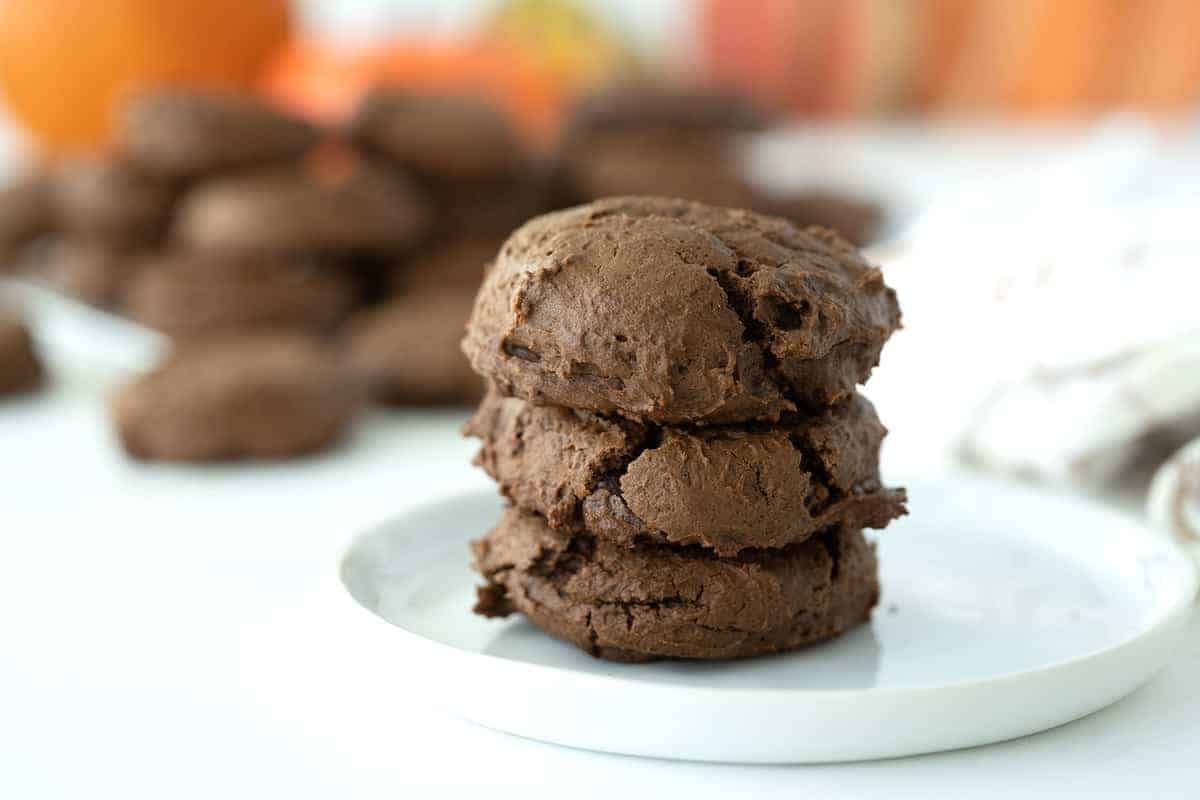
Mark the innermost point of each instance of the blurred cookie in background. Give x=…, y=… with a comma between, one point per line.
x=858, y=220
x=26, y=213
x=493, y=208
x=303, y=208
x=188, y=133
x=194, y=295
x=454, y=264
x=437, y=137
x=407, y=351
x=658, y=141
x=266, y=396
x=625, y=108
x=463, y=150
x=20, y=368
x=692, y=144
x=658, y=163
x=91, y=271
x=111, y=202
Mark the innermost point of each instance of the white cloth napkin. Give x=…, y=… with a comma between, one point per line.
x=1053, y=316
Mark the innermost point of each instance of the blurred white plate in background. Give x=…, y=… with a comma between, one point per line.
x=1004, y=612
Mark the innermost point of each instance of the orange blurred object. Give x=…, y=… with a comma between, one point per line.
x=325, y=80
x=65, y=64
x=1009, y=57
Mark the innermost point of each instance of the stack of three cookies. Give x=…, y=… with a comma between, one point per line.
x=673, y=416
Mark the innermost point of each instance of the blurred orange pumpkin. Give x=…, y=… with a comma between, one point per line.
x=64, y=64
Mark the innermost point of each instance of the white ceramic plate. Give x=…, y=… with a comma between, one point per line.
x=1005, y=611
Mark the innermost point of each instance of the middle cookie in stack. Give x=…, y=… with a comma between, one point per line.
x=673, y=416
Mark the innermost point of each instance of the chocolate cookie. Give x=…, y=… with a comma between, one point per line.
x=676, y=312
x=110, y=202
x=20, y=368
x=26, y=212
x=726, y=489
x=407, y=351
x=92, y=272
x=695, y=167
x=263, y=396
x=680, y=109
x=856, y=220
x=457, y=263
x=190, y=133
x=437, y=136
x=195, y=295
x=301, y=209
x=664, y=602
x=488, y=208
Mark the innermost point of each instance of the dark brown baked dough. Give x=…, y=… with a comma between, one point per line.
x=622, y=108
x=110, y=202
x=93, y=272
x=437, y=136
x=856, y=220
x=490, y=207
x=26, y=212
x=178, y=133
x=190, y=295
x=303, y=209
x=677, y=312
x=407, y=350
x=665, y=602
x=458, y=263
x=263, y=396
x=700, y=167
x=20, y=368
x=723, y=488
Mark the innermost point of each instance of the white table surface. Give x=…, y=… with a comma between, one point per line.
x=167, y=633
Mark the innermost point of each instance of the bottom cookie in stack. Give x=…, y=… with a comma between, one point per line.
x=659, y=601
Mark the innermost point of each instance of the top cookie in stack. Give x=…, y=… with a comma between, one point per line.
x=673, y=414
x=679, y=313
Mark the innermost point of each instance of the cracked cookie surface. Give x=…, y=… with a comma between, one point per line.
x=725, y=489
x=678, y=313
x=666, y=602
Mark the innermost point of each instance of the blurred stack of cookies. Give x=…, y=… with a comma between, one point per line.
x=673, y=415
x=241, y=231
x=689, y=143
x=218, y=214
x=468, y=160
